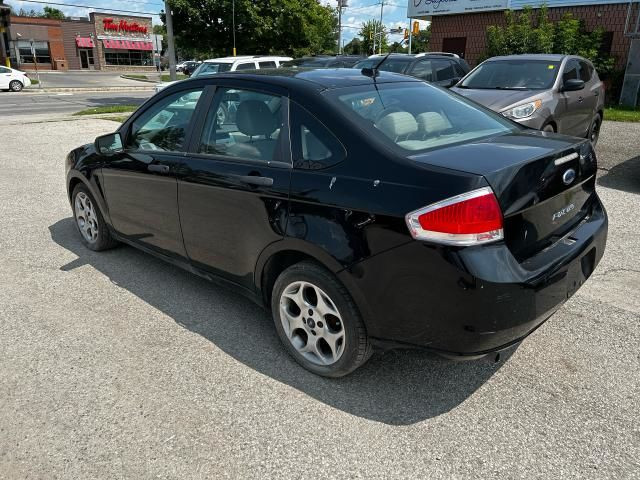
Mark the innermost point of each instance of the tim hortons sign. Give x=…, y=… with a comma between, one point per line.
x=123, y=26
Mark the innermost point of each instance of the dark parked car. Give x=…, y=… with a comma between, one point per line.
x=554, y=93
x=324, y=61
x=362, y=210
x=444, y=69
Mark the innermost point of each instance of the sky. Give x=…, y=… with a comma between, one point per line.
x=358, y=11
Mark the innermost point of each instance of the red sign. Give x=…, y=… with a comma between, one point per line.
x=123, y=26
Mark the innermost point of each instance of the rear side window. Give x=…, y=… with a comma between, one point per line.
x=443, y=69
x=313, y=145
x=164, y=125
x=424, y=70
x=267, y=64
x=246, y=66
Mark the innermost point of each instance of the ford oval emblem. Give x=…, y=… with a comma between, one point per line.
x=569, y=176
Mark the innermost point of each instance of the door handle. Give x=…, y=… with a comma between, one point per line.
x=256, y=180
x=158, y=168
x=580, y=99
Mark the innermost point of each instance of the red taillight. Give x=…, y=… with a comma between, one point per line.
x=468, y=219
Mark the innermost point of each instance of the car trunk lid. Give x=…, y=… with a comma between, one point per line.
x=544, y=184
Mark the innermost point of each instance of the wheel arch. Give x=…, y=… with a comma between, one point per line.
x=76, y=178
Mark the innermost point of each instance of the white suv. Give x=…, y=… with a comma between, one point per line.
x=231, y=64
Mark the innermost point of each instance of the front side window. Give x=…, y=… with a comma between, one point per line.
x=571, y=71
x=211, y=68
x=313, y=145
x=417, y=116
x=513, y=75
x=243, y=124
x=424, y=70
x=586, y=71
x=4, y=70
x=443, y=69
x=163, y=127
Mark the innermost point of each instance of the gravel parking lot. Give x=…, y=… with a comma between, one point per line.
x=117, y=365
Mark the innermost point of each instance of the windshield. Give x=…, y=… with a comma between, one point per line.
x=210, y=68
x=513, y=75
x=397, y=65
x=418, y=116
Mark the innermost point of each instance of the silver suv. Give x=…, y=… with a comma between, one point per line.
x=553, y=93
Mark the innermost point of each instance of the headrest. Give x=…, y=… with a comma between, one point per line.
x=255, y=118
x=432, y=122
x=397, y=124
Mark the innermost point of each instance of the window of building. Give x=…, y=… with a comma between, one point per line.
x=164, y=125
x=313, y=145
x=128, y=57
x=457, y=45
x=26, y=55
x=243, y=124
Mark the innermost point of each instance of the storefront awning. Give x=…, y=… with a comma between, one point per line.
x=84, y=42
x=127, y=45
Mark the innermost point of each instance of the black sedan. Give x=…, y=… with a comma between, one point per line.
x=365, y=210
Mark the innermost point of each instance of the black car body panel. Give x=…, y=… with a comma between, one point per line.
x=201, y=214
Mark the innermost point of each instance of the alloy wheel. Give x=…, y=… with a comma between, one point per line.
x=15, y=86
x=595, y=130
x=86, y=217
x=312, y=323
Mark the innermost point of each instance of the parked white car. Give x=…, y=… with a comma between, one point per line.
x=12, y=79
x=231, y=64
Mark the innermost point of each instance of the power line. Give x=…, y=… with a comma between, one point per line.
x=91, y=6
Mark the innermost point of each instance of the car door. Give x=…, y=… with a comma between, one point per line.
x=591, y=95
x=140, y=183
x=234, y=188
x=570, y=117
x=5, y=77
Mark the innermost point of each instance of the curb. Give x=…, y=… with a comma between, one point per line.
x=37, y=91
x=145, y=80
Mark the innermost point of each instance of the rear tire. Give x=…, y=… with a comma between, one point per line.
x=594, y=129
x=91, y=225
x=15, y=86
x=318, y=322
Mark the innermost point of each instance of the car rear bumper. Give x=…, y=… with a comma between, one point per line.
x=472, y=301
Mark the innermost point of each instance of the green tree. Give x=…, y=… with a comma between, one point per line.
x=50, y=12
x=292, y=27
x=524, y=34
x=420, y=42
x=367, y=32
x=354, y=47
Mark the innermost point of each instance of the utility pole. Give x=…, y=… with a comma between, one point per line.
x=233, y=21
x=381, y=27
x=341, y=4
x=410, y=33
x=171, y=48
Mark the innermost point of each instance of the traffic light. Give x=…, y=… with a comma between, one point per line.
x=416, y=28
x=406, y=33
x=370, y=35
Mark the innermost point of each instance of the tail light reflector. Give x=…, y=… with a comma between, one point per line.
x=472, y=218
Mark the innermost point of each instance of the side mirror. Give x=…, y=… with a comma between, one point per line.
x=453, y=81
x=572, y=85
x=110, y=144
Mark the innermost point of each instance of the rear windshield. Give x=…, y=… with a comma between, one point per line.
x=513, y=75
x=209, y=68
x=397, y=65
x=417, y=116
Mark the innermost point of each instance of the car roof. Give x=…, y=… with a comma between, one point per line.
x=548, y=57
x=317, y=79
x=244, y=57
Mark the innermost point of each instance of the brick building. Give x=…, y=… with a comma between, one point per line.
x=460, y=26
x=102, y=42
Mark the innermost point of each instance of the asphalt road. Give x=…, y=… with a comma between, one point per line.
x=58, y=79
x=25, y=104
x=116, y=365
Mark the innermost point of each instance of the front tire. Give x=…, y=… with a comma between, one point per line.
x=15, y=86
x=91, y=225
x=318, y=322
